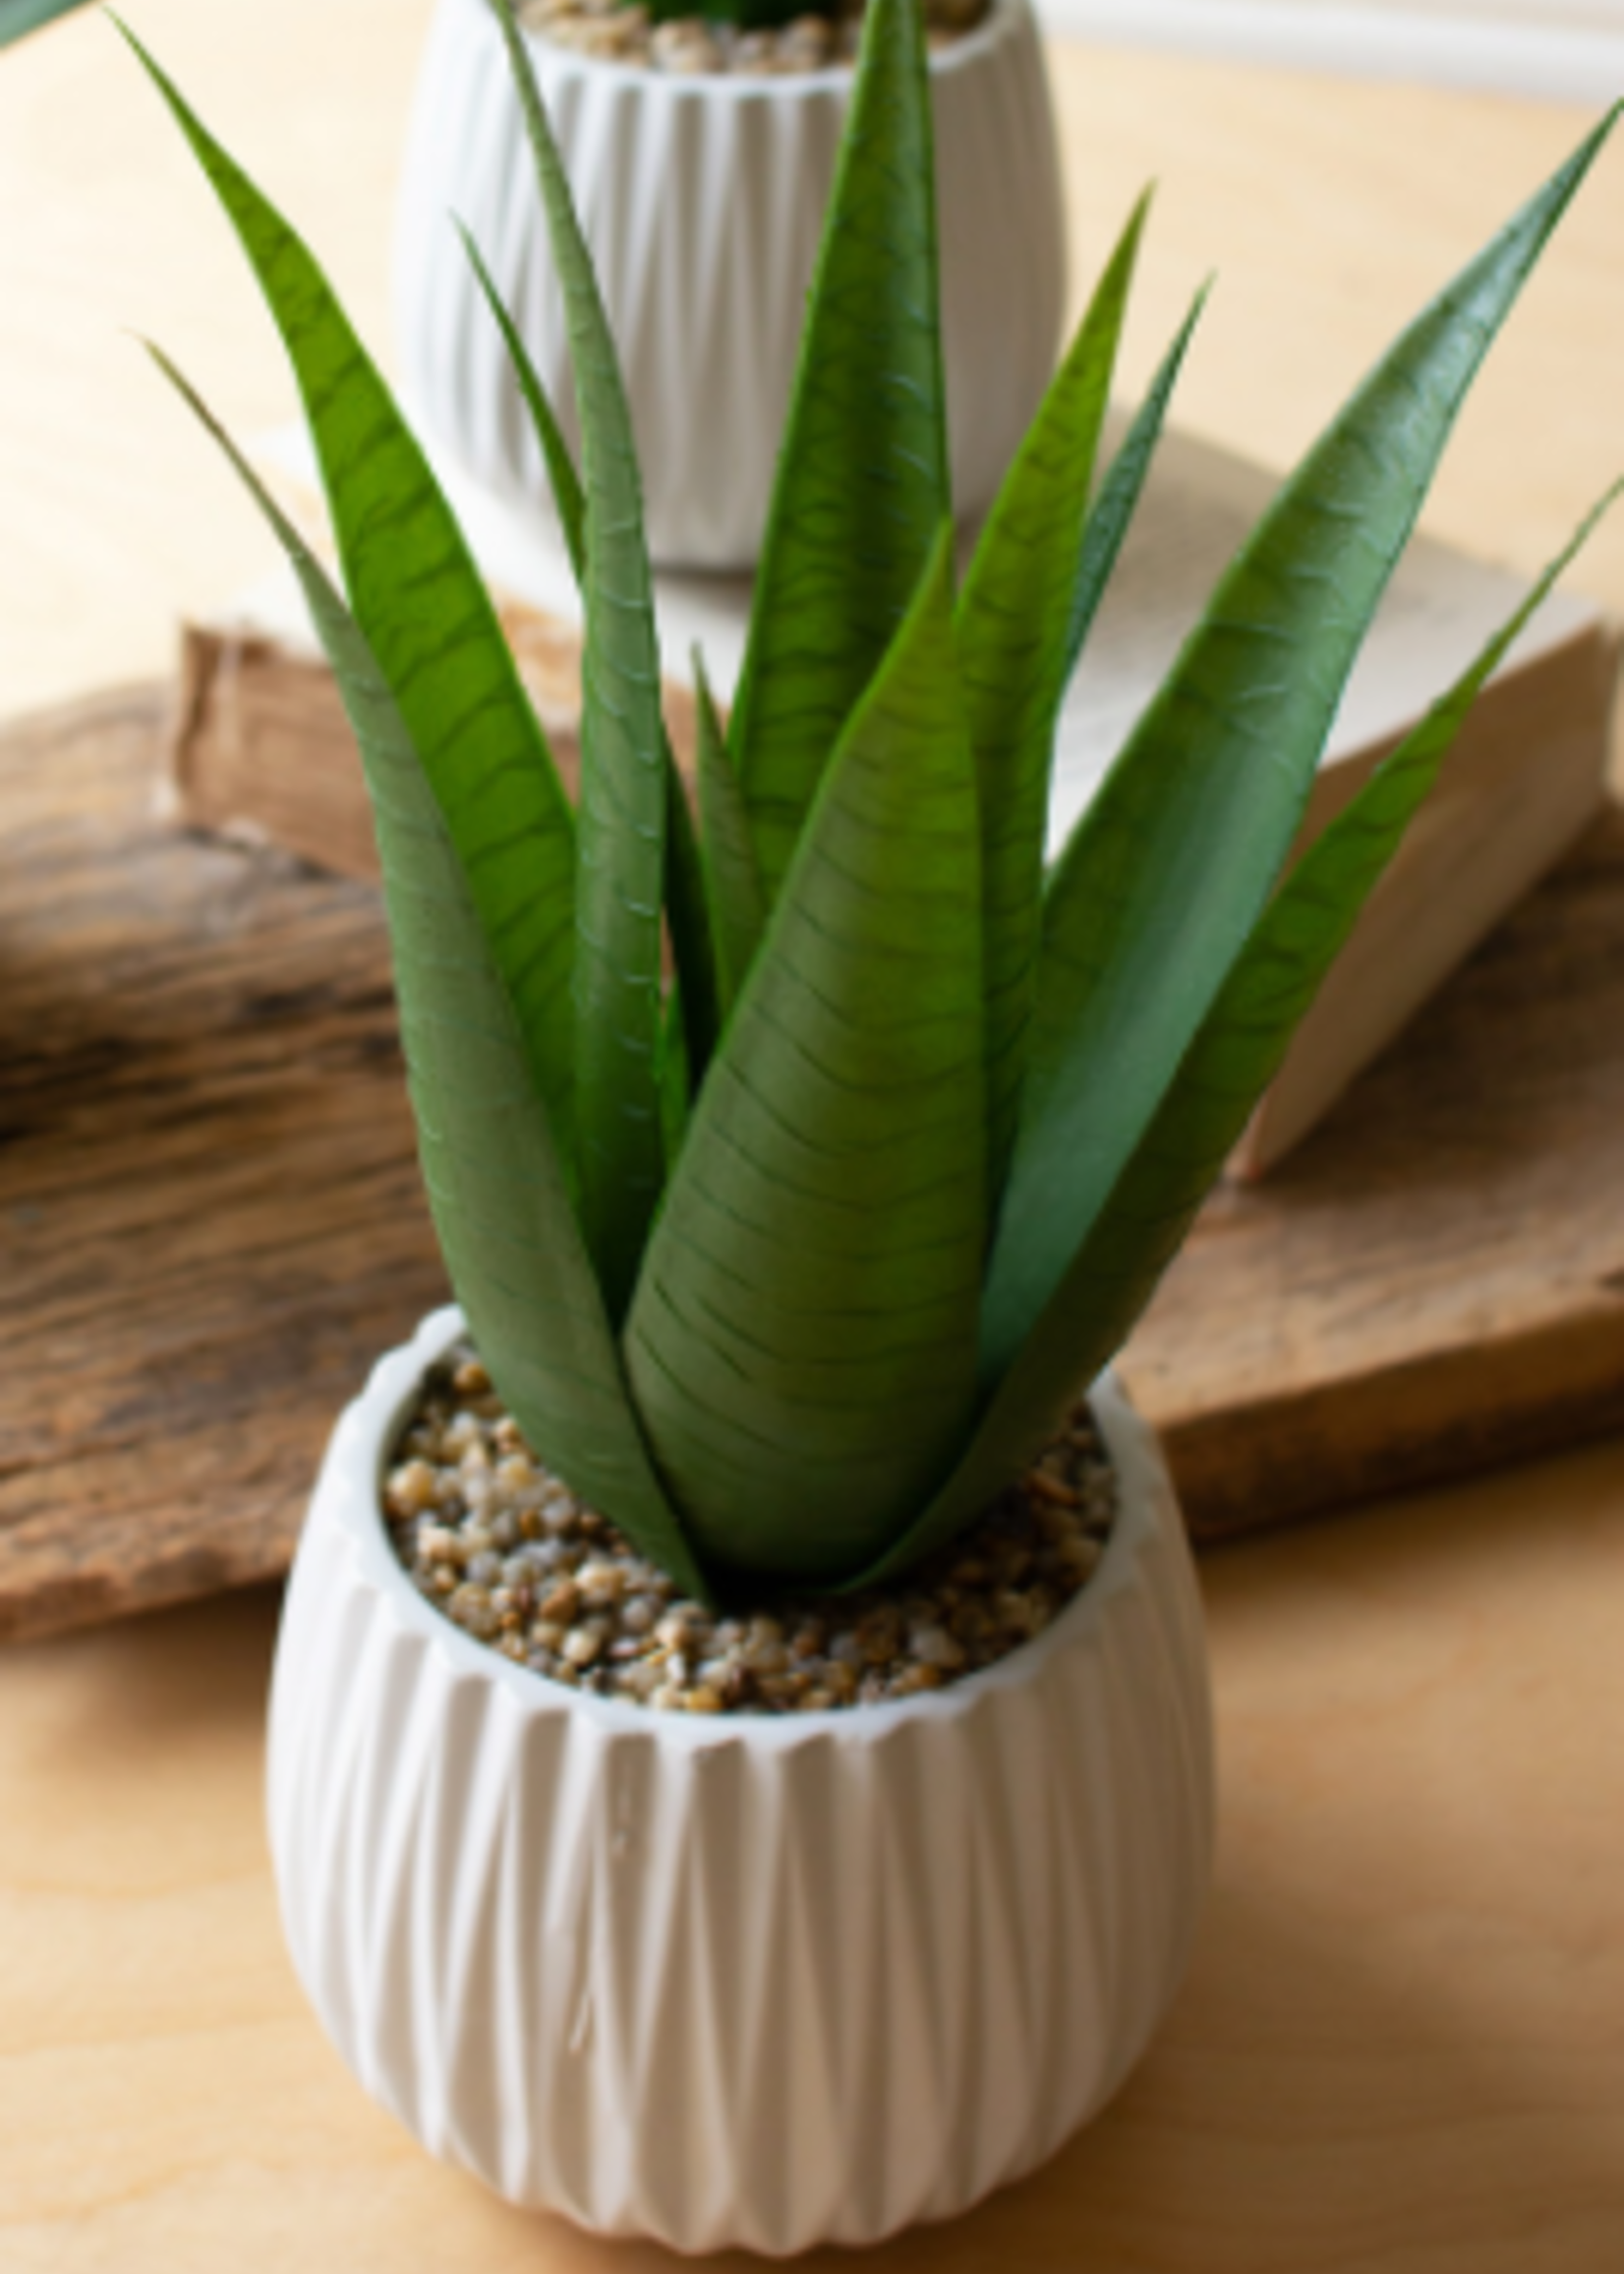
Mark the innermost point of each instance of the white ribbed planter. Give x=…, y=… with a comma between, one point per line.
x=703, y=200
x=736, y=1979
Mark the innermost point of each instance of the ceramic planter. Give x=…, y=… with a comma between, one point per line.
x=703, y=200
x=736, y=1979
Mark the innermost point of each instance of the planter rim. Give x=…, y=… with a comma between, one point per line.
x=355, y=1462
x=786, y=88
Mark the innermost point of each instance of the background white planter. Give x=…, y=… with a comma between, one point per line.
x=736, y=1979
x=703, y=201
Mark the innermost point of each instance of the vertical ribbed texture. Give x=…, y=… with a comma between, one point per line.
x=737, y=1980
x=703, y=201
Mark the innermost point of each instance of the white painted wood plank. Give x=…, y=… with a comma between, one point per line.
x=1572, y=53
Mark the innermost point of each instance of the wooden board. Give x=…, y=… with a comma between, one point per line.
x=210, y=1217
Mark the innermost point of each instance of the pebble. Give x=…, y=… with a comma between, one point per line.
x=577, y=1603
x=691, y=46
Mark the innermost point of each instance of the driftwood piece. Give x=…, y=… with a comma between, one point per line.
x=211, y=1220
x=259, y=748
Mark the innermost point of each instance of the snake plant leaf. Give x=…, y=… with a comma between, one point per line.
x=698, y=986
x=1013, y=622
x=621, y=869
x=1112, y=513
x=802, y=1341
x=18, y=17
x=490, y=1163
x=687, y=906
x=428, y=622
x=563, y=478
x=1233, y=1058
x=862, y=482
x=1170, y=867
x=732, y=872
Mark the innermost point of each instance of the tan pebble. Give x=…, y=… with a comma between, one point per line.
x=1053, y=1490
x=675, y=1627
x=600, y=1583
x=471, y=1607
x=808, y=42
x=637, y=1616
x=879, y=1643
x=757, y=53
x=411, y=1490
x=684, y=44
x=1080, y=1558
x=702, y=1699
x=561, y=1602
x=583, y=1645
x=933, y=1646
x=601, y=35
x=546, y=1634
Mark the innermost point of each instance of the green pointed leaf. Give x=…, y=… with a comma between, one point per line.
x=733, y=875
x=428, y=620
x=802, y=1339
x=562, y=477
x=675, y=1085
x=18, y=17
x=1112, y=513
x=862, y=482
x=687, y=912
x=698, y=993
x=1235, y=1055
x=493, y=1169
x=1013, y=622
x=1171, y=866
x=621, y=872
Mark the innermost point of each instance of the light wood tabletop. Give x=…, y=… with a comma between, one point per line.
x=1401, y=2048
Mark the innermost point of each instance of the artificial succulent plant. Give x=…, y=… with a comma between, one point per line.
x=788, y=1262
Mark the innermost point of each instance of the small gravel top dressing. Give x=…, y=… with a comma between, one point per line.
x=499, y=1545
x=695, y=46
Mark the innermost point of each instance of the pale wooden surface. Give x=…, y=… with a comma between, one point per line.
x=1400, y=2051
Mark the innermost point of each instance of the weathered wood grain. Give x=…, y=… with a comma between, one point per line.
x=260, y=747
x=210, y=1221
x=209, y=1216
x=1435, y=1283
